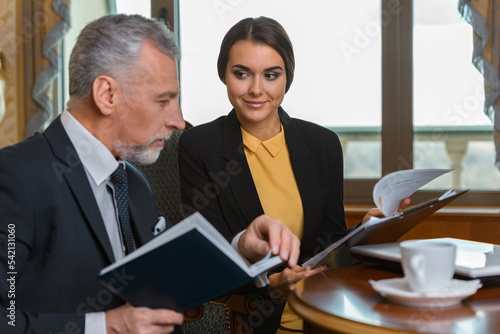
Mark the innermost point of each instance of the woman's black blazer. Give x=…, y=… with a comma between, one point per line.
x=216, y=179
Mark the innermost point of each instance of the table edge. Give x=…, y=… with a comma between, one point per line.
x=332, y=322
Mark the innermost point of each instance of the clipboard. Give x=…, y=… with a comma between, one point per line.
x=395, y=227
x=384, y=230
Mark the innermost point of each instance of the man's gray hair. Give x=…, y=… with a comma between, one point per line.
x=111, y=45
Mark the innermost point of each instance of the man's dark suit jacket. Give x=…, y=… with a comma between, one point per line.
x=216, y=179
x=60, y=240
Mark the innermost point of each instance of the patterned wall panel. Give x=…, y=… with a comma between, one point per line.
x=9, y=40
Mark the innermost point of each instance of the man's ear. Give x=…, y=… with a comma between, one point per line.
x=105, y=93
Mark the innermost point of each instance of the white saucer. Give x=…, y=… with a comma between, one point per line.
x=398, y=291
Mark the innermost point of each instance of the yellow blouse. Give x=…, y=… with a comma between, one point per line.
x=274, y=179
x=272, y=173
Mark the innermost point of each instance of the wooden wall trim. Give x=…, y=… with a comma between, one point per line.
x=10, y=44
x=478, y=223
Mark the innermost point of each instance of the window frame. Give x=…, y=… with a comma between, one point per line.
x=397, y=110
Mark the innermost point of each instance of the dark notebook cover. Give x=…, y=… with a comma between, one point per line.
x=179, y=274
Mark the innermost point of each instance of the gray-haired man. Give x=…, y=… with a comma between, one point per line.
x=59, y=221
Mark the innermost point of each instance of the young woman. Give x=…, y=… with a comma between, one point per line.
x=258, y=160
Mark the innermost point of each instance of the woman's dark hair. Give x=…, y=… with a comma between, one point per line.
x=260, y=30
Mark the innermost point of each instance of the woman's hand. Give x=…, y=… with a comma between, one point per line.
x=283, y=282
x=377, y=213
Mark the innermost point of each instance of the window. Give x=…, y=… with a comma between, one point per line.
x=337, y=79
x=133, y=7
x=418, y=44
x=393, y=78
x=450, y=127
x=375, y=72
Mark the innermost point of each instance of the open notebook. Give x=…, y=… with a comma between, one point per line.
x=474, y=259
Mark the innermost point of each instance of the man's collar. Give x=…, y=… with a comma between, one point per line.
x=95, y=157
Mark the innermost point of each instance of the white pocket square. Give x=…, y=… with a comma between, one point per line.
x=160, y=226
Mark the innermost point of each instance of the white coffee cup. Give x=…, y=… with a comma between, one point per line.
x=428, y=266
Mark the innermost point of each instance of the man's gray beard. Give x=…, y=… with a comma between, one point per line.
x=137, y=154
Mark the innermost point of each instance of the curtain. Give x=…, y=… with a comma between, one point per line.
x=484, y=17
x=44, y=24
x=3, y=93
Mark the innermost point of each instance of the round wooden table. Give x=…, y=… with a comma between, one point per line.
x=342, y=301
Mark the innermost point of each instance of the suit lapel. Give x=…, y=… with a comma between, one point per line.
x=73, y=172
x=143, y=214
x=305, y=172
x=241, y=185
x=142, y=233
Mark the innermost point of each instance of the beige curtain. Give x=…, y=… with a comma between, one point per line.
x=44, y=24
x=484, y=16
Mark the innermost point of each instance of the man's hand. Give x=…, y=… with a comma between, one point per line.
x=128, y=319
x=377, y=213
x=265, y=234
